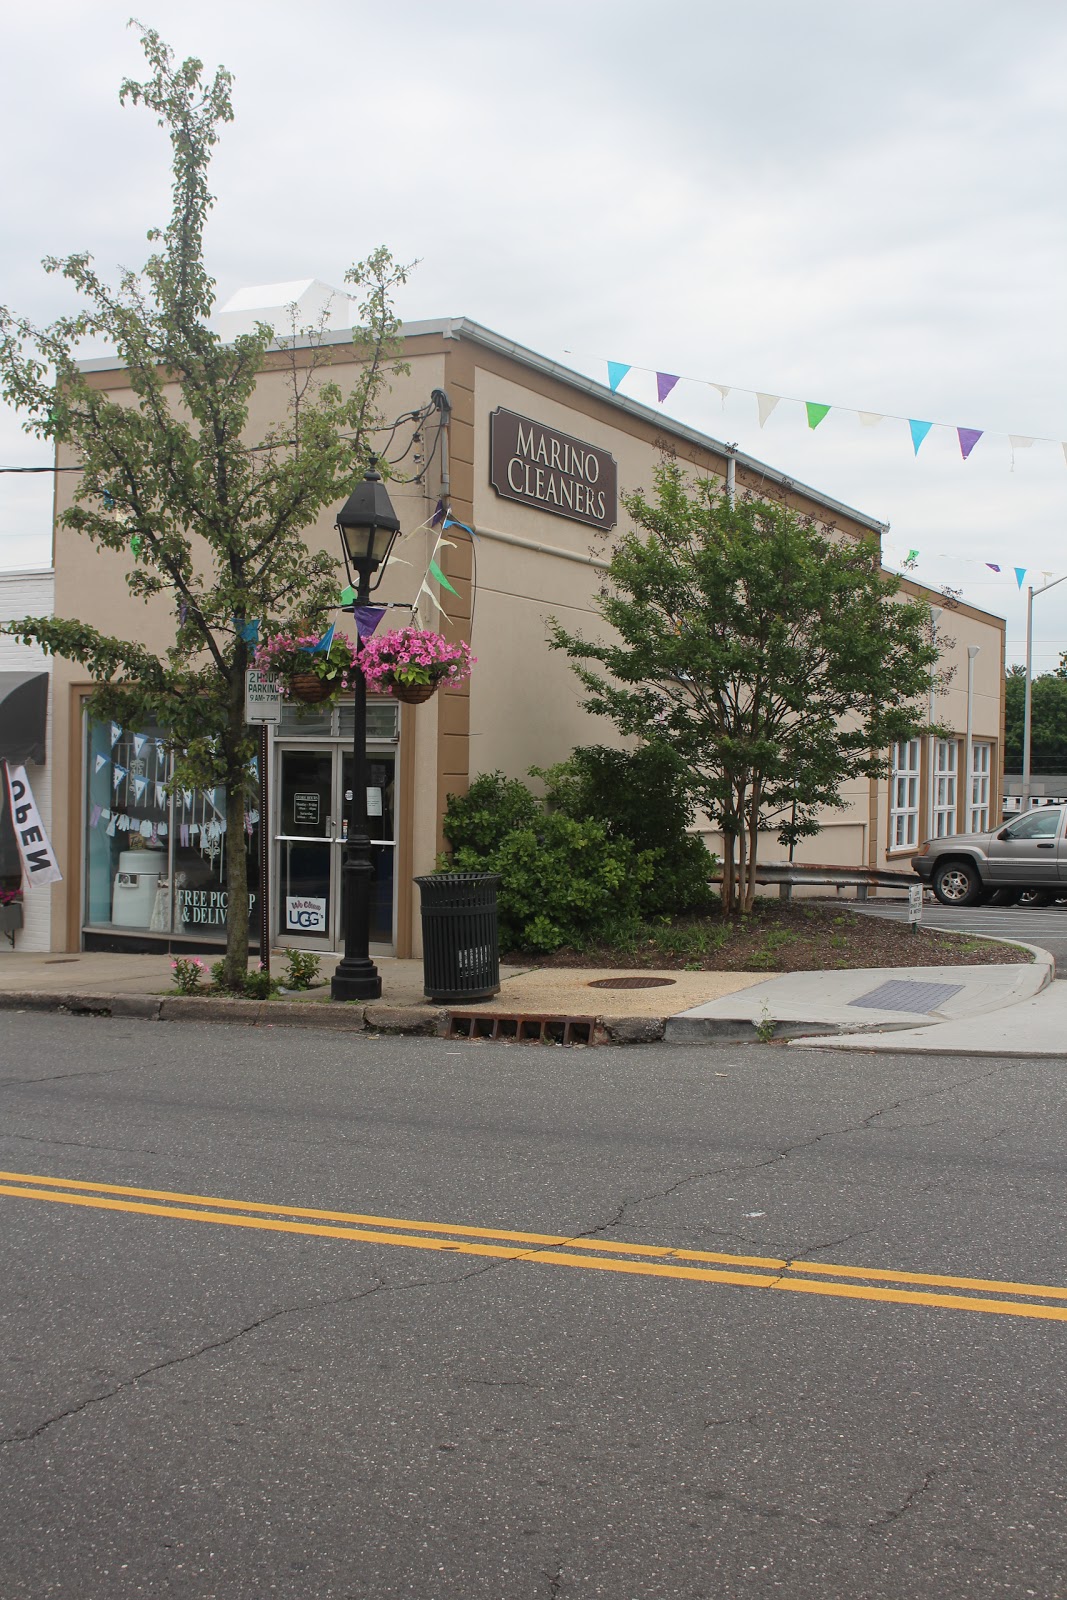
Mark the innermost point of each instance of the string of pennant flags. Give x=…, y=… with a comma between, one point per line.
x=909, y=561
x=367, y=618
x=817, y=411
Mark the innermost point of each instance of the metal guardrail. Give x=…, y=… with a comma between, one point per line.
x=789, y=875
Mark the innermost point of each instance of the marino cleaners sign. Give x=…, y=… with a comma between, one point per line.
x=39, y=864
x=542, y=467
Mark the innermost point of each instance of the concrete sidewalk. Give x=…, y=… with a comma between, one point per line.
x=991, y=1010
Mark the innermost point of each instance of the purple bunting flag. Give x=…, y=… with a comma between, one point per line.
x=665, y=382
x=438, y=514
x=992, y=566
x=968, y=438
x=367, y=619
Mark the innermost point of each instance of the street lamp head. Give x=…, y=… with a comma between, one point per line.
x=368, y=526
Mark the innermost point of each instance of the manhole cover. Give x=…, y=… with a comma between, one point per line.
x=631, y=983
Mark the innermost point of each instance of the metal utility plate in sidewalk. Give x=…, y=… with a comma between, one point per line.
x=905, y=994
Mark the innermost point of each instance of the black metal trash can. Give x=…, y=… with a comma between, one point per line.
x=460, y=939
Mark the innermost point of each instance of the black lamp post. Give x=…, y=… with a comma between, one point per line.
x=368, y=526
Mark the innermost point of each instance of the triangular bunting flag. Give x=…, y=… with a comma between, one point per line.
x=617, y=371
x=1019, y=441
x=1065, y=450
x=968, y=438
x=139, y=787
x=766, y=404
x=435, y=572
x=919, y=430
x=438, y=514
x=815, y=412
x=117, y=775
x=139, y=742
x=1020, y=574
x=724, y=390
x=348, y=594
x=367, y=619
x=450, y=522
x=665, y=382
x=428, y=592
x=992, y=566
x=116, y=734
x=323, y=646
x=161, y=797
x=101, y=761
x=871, y=419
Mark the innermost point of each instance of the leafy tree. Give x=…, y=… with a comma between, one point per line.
x=206, y=515
x=775, y=661
x=1048, y=719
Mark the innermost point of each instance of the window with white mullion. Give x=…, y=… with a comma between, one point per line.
x=904, y=795
x=981, y=769
x=945, y=759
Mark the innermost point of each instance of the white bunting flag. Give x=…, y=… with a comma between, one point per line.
x=766, y=404
x=139, y=787
x=139, y=742
x=116, y=734
x=101, y=763
x=871, y=419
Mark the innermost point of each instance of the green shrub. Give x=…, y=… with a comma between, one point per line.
x=562, y=881
x=641, y=796
x=303, y=969
x=258, y=985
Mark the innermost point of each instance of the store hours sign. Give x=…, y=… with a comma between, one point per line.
x=541, y=467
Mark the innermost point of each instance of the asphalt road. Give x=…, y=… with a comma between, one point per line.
x=1041, y=925
x=457, y=1388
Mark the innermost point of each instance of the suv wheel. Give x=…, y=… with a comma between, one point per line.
x=957, y=883
x=1033, y=897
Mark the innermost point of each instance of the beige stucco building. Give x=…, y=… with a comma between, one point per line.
x=144, y=866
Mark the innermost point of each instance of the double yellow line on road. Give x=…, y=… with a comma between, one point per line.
x=559, y=1250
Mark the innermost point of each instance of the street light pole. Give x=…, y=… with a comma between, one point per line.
x=1024, y=803
x=368, y=526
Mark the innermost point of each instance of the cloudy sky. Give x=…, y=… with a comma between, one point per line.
x=855, y=204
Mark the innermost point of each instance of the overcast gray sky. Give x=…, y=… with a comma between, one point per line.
x=855, y=204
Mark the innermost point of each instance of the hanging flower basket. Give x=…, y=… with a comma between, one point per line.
x=411, y=664
x=306, y=674
x=413, y=694
x=309, y=688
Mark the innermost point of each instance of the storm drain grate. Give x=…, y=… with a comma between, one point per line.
x=630, y=983
x=905, y=994
x=521, y=1030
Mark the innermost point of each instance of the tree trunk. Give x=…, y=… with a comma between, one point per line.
x=236, y=966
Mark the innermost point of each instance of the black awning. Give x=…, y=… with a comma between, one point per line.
x=23, y=714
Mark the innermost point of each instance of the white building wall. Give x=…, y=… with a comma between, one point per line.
x=31, y=594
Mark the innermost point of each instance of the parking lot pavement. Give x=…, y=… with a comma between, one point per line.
x=1045, y=926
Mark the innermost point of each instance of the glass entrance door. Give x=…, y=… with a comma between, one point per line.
x=305, y=847
x=314, y=788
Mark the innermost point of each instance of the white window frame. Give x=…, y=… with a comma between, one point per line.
x=904, y=794
x=981, y=771
x=944, y=778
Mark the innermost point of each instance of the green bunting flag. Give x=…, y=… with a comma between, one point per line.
x=815, y=413
x=348, y=594
x=436, y=572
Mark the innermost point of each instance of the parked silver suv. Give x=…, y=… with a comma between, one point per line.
x=1025, y=858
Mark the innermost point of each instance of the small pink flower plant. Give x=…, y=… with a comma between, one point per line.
x=414, y=655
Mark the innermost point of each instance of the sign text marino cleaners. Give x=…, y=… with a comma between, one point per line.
x=539, y=466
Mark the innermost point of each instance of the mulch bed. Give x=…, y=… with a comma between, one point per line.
x=788, y=936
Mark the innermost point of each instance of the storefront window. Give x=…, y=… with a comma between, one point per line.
x=155, y=854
